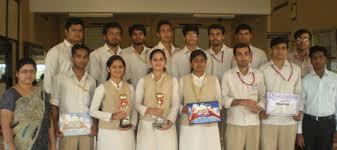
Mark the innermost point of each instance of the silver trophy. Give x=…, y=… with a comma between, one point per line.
x=124, y=123
x=159, y=121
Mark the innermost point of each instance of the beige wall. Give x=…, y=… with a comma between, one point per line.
x=311, y=14
x=153, y=6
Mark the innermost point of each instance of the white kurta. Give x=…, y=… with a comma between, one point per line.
x=149, y=138
x=112, y=139
x=222, y=61
x=203, y=136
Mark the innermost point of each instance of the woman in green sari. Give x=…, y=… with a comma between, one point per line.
x=25, y=112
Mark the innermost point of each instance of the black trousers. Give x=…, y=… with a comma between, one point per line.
x=318, y=134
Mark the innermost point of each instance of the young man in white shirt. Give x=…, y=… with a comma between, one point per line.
x=165, y=33
x=73, y=92
x=243, y=90
x=317, y=130
x=112, y=34
x=136, y=56
x=58, y=59
x=244, y=34
x=278, y=132
x=300, y=56
x=180, y=60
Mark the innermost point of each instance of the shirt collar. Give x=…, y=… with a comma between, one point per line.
x=223, y=48
x=326, y=73
x=250, y=70
x=161, y=77
x=72, y=75
x=67, y=43
x=116, y=85
x=186, y=50
x=199, y=78
x=134, y=50
x=107, y=49
x=286, y=63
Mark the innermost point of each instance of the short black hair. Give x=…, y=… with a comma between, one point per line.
x=139, y=27
x=318, y=48
x=109, y=25
x=240, y=45
x=25, y=61
x=299, y=32
x=243, y=27
x=278, y=40
x=217, y=26
x=197, y=53
x=77, y=47
x=73, y=21
x=190, y=27
x=163, y=22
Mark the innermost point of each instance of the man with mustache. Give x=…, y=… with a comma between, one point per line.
x=112, y=34
x=136, y=56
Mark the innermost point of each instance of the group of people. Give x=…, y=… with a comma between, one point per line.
x=126, y=92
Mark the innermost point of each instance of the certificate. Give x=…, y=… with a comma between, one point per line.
x=74, y=124
x=282, y=104
x=203, y=112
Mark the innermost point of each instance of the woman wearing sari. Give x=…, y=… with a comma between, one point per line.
x=25, y=112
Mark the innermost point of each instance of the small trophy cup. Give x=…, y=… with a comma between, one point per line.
x=124, y=123
x=159, y=121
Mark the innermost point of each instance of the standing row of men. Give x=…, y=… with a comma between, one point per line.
x=256, y=75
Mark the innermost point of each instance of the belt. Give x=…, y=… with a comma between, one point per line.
x=316, y=118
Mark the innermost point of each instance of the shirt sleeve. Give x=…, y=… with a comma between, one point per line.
x=264, y=58
x=262, y=93
x=8, y=100
x=96, y=103
x=51, y=64
x=227, y=99
x=181, y=98
x=134, y=114
x=209, y=64
x=94, y=66
x=218, y=91
x=128, y=70
x=139, y=96
x=175, y=104
x=298, y=91
x=56, y=94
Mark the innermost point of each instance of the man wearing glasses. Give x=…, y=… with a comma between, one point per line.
x=301, y=55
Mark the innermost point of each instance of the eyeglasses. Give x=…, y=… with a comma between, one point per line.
x=302, y=39
x=27, y=71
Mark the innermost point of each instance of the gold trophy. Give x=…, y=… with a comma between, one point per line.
x=159, y=121
x=124, y=123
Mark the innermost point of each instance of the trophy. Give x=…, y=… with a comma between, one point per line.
x=124, y=123
x=159, y=121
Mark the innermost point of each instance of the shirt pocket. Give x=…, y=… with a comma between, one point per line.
x=332, y=89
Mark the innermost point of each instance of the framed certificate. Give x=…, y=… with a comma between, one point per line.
x=74, y=124
x=282, y=104
x=203, y=112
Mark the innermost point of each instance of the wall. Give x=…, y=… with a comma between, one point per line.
x=153, y=6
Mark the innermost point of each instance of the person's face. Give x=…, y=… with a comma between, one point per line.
x=318, y=60
x=116, y=69
x=216, y=37
x=158, y=62
x=74, y=33
x=137, y=37
x=165, y=33
x=198, y=64
x=80, y=58
x=26, y=74
x=113, y=37
x=243, y=56
x=244, y=36
x=191, y=38
x=303, y=42
x=280, y=51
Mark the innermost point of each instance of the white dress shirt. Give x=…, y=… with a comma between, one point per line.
x=251, y=86
x=305, y=65
x=258, y=59
x=222, y=61
x=278, y=84
x=58, y=60
x=136, y=65
x=98, y=98
x=167, y=54
x=319, y=94
x=175, y=103
x=181, y=63
x=72, y=95
x=97, y=62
